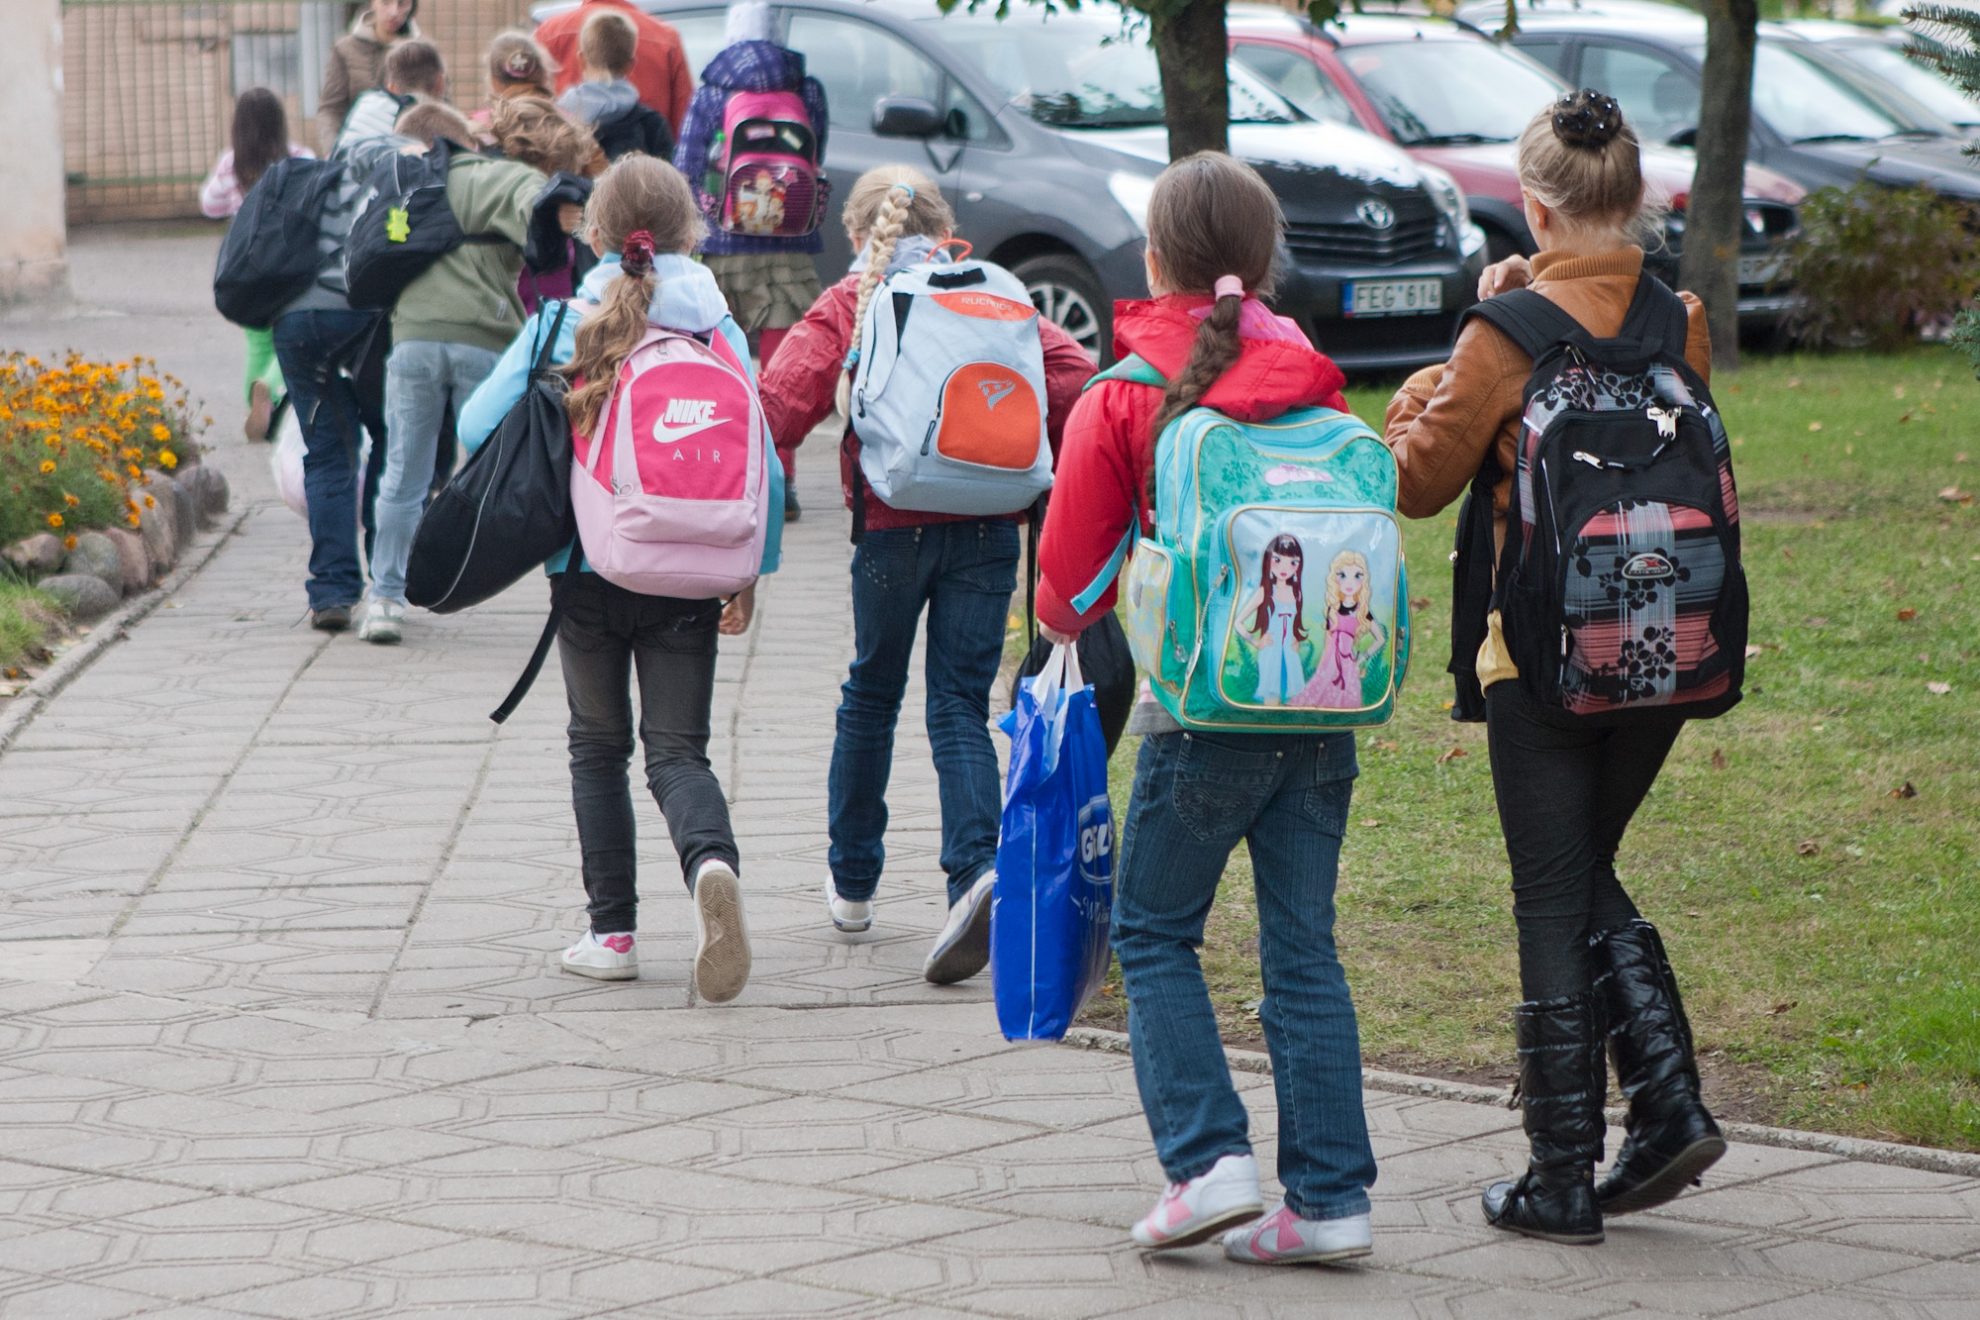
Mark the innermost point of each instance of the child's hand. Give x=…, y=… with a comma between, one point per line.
x=1503, y=276
x=738, y=612
x=569, y=216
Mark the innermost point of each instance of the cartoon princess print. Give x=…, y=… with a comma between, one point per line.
x=1352, y=637
x=759, y=203
x=1273, y=621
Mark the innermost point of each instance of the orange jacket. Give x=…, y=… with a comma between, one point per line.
x=660, y=67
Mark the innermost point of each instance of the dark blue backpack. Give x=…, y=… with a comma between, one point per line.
x=271, y=254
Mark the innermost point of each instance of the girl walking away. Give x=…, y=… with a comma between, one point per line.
x=357, y=63
x=961, y=569
x=765, y=268
x=517, y=66
x=1568, y=781
x=260, y=138
x=642, y=223
x=1213, y=225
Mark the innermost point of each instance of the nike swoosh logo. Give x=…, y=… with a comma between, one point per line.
x=673, y=435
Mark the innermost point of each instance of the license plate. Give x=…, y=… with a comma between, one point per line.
x=1391, y=297
x=1764, y=268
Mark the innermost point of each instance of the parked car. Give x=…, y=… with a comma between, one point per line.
x=1046, y=134
x=1454, y=99
x=1873, y=61
x=1807, y=124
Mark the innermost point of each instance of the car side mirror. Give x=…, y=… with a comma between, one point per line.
x=1686, y=137
x=906, y=117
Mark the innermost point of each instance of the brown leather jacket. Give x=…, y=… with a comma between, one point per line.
x=1443, y=417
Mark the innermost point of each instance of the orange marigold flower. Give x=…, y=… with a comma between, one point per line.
x=132, y=519
x=69, y=541
x=167, y=459
x=161, y=433
x=150, y=503
x=133, y=469
x=47, y=466
x=70, y=500
x=54, y=520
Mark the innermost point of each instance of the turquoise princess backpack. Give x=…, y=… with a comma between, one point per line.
x=1272, y=596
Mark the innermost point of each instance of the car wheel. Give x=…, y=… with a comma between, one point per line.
x=1499, y=245
x=1066, y=293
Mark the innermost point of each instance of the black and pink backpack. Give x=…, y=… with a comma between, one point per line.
x=1619, y=587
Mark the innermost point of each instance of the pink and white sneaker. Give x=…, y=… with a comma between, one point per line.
x=1283, y=1238
x=603, y=957
x=1203, y=1207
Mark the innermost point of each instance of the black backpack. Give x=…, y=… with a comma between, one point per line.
x=641, y=128
x=404, y=224
x=1619, y=588
x=272, y=253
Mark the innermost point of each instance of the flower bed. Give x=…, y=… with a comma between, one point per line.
x=77, y=438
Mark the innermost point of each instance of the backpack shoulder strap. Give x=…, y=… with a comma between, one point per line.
x=549, y=344
x=1656, y=318
x=1134, y=369
x=1531, y=320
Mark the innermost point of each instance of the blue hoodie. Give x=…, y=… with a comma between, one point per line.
x=686, y=299
x=745, y=66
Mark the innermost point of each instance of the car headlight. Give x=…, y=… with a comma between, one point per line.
x=1470, y=240
x=1133, y=192
x=1449, y=197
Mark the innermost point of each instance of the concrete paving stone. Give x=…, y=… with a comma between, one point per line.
x=313, y=907
x=37, y=1297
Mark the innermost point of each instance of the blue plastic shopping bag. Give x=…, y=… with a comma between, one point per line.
x=1055, y=858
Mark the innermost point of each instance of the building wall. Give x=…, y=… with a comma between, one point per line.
x=33, y=237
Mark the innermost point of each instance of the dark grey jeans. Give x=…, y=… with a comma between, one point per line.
x=608, y=638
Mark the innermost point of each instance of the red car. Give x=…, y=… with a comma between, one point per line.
x=1454, y=99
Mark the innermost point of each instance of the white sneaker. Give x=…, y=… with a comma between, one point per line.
x=1203, y=1207
x=383, y=621
x=1283, y=1238
x=603, y=957
x=721, y=934
x=963, y=947
x=847, y=915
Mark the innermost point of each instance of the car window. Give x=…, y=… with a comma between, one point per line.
x=1435, y=93
x=1549, y=52
x=1658, y=95
x=967, y=119
x=1889, y=64
x=701, y=35
x=858, y=63
x=1803, y=103
x=1295, y=77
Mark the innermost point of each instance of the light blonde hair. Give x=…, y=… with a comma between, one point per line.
x=517, y=63
x=639, y=192
x=1347, y=559
x=607, y=42
x=888, y=203
x=427, y=121
x=532, y=130
x=1580, y=159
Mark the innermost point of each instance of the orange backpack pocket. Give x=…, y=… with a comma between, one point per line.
x=989, y=417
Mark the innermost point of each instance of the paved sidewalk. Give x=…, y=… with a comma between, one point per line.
x=280, y=1035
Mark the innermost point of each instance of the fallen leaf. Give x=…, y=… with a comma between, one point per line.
x=1385, y=745
x=1450, y=705
x=1904, y=790
x=1814, y=426
x=1907, y=614
x=1954, y=495
x=1451, y=754
x=1905, y=416
x=1807, y=848
x=1419, y=602
x=1371, y=824
x=1937, y=688
x=1782, y=1007
x=1897, y=391
x=1718, y=758
x=1752, y=651
x=1794, y=382
x=1694, y=914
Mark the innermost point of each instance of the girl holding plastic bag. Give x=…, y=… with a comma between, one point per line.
x=1213, y=225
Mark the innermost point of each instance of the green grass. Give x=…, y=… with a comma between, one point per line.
x=1823, y=923
x=25, y=615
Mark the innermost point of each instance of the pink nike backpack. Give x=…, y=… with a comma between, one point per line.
x=772, y=186
x=671, y=492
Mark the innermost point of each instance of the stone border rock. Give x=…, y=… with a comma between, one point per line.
x=1927, y=1158
x=111, y=628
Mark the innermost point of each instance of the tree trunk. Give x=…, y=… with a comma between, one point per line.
x=1192, y=47
x=1716, y=217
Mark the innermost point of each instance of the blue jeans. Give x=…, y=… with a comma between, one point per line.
x=313, y=348
x=1196, y=796
x=964, y=573
x=421, y=377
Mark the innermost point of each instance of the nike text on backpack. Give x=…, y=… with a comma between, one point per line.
x=1272, y=594
x=404, y=224
x=509, y=507
x=1619, y=588
x=765, y=174
x=948, y=392
x=270, y=256
x=670, y=492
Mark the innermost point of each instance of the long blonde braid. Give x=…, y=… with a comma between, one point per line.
x=888, y=203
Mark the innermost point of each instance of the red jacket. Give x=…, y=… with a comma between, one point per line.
x=798, y=386
x=660, y=68
x=1110, y=443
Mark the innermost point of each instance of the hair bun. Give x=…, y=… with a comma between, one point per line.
x=1587, y=119
x=520, y=63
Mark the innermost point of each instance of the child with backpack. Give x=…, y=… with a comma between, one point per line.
x=1603, y=606
x=753, y=147
x=260, y=134
x=1211, y=364
x=451, y=321
x=606, y=100
x=414, y=71
x=650, y=317
x=1014, y=378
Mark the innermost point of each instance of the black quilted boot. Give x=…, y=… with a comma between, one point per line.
x=1562, y=1081
x=1672, y=1139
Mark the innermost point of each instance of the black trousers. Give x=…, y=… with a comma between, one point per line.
x=1566, y=794
x=608, y=638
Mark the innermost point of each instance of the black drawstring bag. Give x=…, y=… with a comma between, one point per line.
x=509, y=507
x=1106, y=663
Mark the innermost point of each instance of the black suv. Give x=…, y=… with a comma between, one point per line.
x=1046, y=134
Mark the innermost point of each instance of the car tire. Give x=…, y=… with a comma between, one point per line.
x=1499, y=245
x=1065, y=290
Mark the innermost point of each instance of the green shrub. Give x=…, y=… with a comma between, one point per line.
x=1873, y=265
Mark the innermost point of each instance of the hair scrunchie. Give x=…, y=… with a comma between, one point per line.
x=636, y=253
x=1587, y=119
x=1228, y=286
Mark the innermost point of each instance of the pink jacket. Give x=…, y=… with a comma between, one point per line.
x=220, y=196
